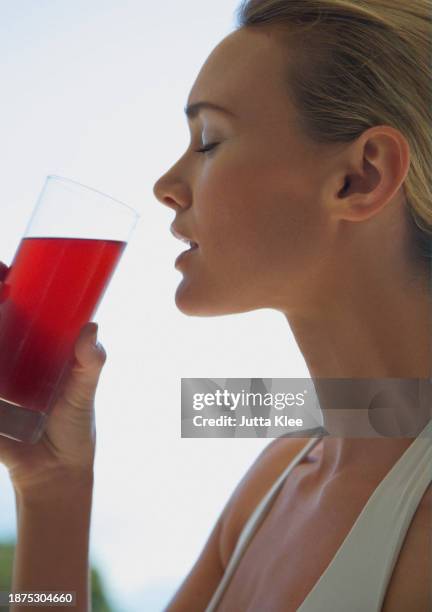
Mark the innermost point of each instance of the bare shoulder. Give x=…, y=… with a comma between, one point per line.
x=269, y=464
x=201, y=582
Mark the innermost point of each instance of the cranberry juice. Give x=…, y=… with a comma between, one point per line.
x=52, y=289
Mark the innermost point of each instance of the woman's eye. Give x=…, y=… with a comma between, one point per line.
x=207, y=147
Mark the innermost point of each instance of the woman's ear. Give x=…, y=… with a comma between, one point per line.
x=370, y=172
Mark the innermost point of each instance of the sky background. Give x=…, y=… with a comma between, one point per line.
x=95, y=91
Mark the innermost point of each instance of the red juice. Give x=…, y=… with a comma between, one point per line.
x=52, y=289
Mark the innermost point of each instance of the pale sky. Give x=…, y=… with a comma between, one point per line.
x=95, y=91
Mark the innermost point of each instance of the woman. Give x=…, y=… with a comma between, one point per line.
x=308, y=191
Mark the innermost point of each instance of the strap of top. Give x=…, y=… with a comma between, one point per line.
x=358, y=576
x=252, y=525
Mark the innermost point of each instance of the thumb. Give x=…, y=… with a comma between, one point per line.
x=90, y=357
x=89, y=353
x=3, y=271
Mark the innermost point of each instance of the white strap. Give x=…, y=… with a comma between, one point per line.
x=252, y=525
x=358, y=576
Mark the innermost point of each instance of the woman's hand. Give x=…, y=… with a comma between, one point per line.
x=67, y=446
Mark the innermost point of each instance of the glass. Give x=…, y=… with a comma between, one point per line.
x=58, y=276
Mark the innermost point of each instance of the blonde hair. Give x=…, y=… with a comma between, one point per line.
x=357, y=64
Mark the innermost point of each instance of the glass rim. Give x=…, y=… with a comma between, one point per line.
x=101, y=193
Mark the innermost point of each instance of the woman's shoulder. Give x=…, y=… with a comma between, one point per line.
x=263, y=472
x=414, y=560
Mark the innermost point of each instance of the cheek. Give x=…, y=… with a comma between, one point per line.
x=255, y=215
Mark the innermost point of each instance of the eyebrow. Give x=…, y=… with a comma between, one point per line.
x=193, y=110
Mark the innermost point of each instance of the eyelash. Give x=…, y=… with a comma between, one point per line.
x=207, y=148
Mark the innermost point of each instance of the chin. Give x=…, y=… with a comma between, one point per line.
x=196, y=306
x=196, y=302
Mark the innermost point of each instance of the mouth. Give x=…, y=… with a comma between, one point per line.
x=185, y=254
x=192, y=245
x=177, y=234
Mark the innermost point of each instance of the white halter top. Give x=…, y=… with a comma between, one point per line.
x=358, y=576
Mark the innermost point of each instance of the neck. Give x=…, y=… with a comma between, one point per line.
x=367, y=348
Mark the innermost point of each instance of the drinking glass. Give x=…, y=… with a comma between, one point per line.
x=57, y=278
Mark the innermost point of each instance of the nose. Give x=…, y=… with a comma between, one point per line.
x=171, y=192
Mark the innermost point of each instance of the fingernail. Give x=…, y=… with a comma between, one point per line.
x=94, y=334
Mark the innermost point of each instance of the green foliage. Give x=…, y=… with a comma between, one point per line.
x=99, y=600
x=6, y=561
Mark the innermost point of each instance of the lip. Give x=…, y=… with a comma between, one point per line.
x=179, y=235
x=185, y=255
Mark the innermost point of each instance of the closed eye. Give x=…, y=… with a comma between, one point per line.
x=207, y=148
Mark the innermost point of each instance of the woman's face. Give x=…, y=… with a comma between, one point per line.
x=255, y=203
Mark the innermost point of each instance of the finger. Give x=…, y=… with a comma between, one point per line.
x=89, y=353
x=9, y=452
x=3, y=271
x=90, y=357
